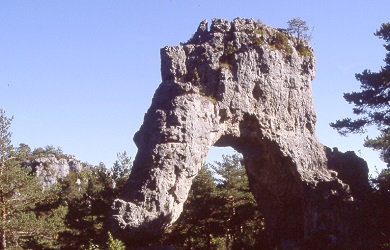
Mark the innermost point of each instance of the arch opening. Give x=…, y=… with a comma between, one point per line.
x=274, y=182
x=272, y=130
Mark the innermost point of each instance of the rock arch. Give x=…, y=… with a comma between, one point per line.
x=245, y=85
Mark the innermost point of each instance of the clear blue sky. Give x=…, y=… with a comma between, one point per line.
x=81, y=74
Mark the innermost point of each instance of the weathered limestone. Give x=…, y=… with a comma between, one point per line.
x=50, y=169
x=350, y=169
x=245, y=85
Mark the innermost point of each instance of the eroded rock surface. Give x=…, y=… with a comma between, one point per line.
x=245, y=85
x=50, y=169
x=351, y=169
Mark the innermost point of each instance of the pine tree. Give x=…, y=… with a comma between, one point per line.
x=5, y=157
x=196, y=227
x=299, y=27
x=243, y=223
x=220, y=212
x=121, y=169
x=372, y=106
x=372, y=103
x=115, y=244
x=88, y=195
x=20, y=193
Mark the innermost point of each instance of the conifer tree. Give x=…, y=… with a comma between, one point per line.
x=5, y=157
x=20, y=193
x=220, y=212
x=299, y=27
x=243, y=223
x=372, y=103
x=121, y=169
x=372, y=107
x=197, y=227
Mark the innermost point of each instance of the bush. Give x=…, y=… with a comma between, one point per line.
x=280, y=42
x=303, y=50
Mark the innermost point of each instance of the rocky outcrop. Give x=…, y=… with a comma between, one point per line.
x=245, y=85
x=351, y=169
x=49, y=169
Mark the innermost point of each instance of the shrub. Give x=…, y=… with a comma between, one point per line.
x=226, y=59
x=261, y=31
x=257, y=40
x=280, y=42
x=303, y=50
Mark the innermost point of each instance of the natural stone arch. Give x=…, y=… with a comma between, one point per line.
x=245, y=85
x=275, y=184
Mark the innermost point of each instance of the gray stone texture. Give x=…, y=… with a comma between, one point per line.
x=235, y=84
x=50, y=169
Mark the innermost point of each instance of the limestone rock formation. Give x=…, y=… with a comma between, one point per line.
x=50, y=169
x=245, y=85
x=351, y=169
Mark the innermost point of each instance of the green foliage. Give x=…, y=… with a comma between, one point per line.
x=382, y=144
x=256, y=40
x=244, y=225
x=50, y=149
x=372, y=215
x=111, y=244
x=261, y=31
x=88, y=195
x=121, y=169
x=280, y=42
x=6, y=148
x=372, y=103
x=298, y=27
x=303, y=50
x=91, y=246
x=25, y=219
x=64, y=216
x=260, y=35
x=194, y=228
x=228, y=55
x=115, y=244
x=220, y=212
x=382, y=183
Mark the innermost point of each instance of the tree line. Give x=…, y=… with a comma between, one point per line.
x=67, y=215
x=71, y=214
x=220, y=212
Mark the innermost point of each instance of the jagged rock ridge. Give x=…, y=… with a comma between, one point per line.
x=245, y=85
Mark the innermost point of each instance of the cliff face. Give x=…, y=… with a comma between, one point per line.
x=240, y=84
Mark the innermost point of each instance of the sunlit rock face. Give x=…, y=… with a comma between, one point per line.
x=248, y=86
x=50, y=169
